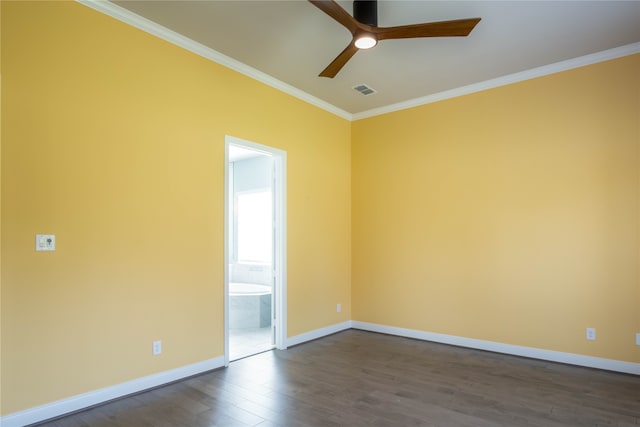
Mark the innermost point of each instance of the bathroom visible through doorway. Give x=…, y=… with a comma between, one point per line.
x=254, y=249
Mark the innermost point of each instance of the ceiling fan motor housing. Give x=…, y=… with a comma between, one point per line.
x=366, y=12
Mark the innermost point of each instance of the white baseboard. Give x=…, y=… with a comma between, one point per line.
x=82, y=401
x=319, y=333
x=516, y=350
x=95, y=397
x=85, y=400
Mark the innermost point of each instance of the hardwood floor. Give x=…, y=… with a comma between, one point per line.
x=357, y=378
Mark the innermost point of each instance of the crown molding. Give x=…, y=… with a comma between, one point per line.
x=137, y=21
x=157, y=30
x=533, y=73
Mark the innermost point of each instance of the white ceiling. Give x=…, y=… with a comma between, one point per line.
x=292, y=41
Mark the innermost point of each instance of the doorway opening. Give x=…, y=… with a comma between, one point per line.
x=255, y=285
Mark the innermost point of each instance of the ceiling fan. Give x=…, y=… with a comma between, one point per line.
x=363, y=26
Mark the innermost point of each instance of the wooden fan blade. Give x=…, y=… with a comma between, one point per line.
x=337, y=64
x=455, y=28
x=334, y=10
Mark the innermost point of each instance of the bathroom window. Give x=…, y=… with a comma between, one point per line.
x=255, y=226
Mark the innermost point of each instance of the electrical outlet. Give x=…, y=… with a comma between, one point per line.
x=591, y=334
x=637, y=339
x=338, y=308
x=157, y=347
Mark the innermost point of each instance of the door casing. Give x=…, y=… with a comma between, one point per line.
x=280, y=234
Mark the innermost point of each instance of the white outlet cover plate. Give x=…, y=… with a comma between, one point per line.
x=45, y=242
x=637, y=339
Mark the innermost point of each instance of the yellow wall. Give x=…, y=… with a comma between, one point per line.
x=510, y=215
x=114, y=141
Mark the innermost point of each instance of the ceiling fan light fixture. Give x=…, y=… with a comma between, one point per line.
x=366, y=41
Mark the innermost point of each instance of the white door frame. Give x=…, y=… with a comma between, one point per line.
x=280, y=239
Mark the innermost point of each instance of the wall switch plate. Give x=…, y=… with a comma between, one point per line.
x=157, y=347
x=45, y=242
x=637, y=339
x=591, y=334
x=338, y=308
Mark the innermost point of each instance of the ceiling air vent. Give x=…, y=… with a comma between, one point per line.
x=364, y=89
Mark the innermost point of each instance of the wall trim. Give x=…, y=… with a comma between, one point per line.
x=319, y=333
x=96, y=397
x=137, y=21
x=279, y=187
x=516, y=350
x=533, y=73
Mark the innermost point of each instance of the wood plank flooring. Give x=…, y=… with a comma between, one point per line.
x=357, y=378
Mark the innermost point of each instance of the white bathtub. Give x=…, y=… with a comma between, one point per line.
x=249, y=305
x=248, y=289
